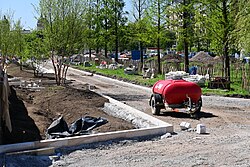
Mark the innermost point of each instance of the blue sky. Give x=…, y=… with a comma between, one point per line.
x=24, y=10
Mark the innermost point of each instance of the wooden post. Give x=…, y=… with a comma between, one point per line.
x=1, y=129
x=1, y=109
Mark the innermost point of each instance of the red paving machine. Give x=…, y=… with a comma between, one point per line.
x=179, y=95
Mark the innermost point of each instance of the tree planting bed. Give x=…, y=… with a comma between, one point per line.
x=32, y=112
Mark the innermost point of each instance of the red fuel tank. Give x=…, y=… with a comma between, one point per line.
x=177, y=91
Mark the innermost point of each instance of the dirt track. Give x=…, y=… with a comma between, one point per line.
x=227, y=142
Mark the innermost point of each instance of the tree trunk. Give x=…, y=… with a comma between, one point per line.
x=158, y=39
x=106, y=50
x=141, y=55
x=97, y=28
x=89, y=54
x=106, y=32
x=140, y=43
x=59, y=72
x=185, y=35
x=54, y=65
x=186, y=61
x=116, y=32
x=63, y=73
x=65, y=69
x=116, y=46
x=159, y=56
x=21, y=65
x=225, y=43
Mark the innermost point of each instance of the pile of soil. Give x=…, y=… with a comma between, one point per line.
x=172, y=58
x=32, y=112
x=202, y=57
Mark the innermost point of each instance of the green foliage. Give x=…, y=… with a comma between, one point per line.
x=63, y=26
x=73, y=26
x=34, y=47
x=182, y=21
x=11, y=38
x=158, y=24
x=104, y=20
x=219, y=21
x=243, y=26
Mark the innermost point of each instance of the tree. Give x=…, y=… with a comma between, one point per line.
x=106, y=24
x=105, y=19
x=139, y=14
x=220, y=21
x=242, y=28
x=5, y=39
x=62, y=32
x=18, y=38
x=158, y=15
x=202, y=36
x=118, y=20
x=11, y=38
x=33, y=49
x=182, y=20
x=19, y=41
x=97, y=25
x=89, y=29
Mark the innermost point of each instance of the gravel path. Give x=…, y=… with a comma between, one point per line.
x=227, y=142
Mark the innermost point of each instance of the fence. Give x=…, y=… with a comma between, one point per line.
x=239, y=71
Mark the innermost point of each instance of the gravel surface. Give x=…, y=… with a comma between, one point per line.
x=226, y=143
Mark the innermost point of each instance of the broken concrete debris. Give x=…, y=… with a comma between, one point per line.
x=131, y=70
x=200, y=128
x=167, y=135
x=185, y=125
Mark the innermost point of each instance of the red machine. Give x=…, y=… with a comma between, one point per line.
x=176, y=94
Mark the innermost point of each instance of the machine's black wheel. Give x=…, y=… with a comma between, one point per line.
x=155, y=109
x=196, y=114
x=199, y=108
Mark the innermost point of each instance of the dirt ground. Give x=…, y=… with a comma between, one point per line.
x=33, y=111
x=226, y=143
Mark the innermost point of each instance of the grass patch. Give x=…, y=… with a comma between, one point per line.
x=119, y=74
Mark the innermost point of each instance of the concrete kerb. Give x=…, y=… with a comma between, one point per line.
x=149, y=126
x=131, y=113
x=79, y=140
x=128, y=113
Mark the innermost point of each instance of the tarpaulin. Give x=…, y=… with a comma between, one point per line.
x=84, y=125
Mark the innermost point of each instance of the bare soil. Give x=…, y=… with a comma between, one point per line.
x=33, y=111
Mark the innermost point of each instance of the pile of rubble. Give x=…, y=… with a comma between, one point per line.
x=200, y=128
x=33, y=85
x=199, y=79
x=112, y=66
